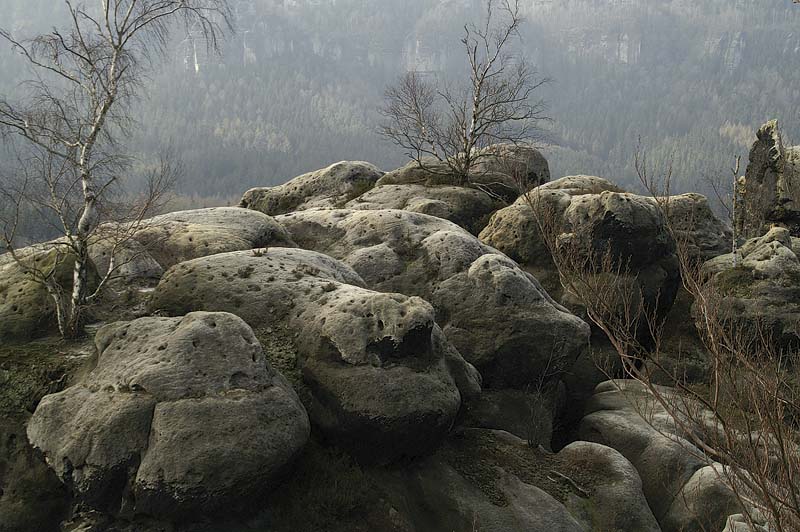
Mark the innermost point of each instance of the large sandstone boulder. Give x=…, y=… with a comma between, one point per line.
x=497, y=316
x=181, y=416
x=617, y=502
x=763, y=290
x=770, y=191
x=682, y=494
x=492, y=481
x=326, y=188
x=383, y=380
x=178, y=236
x=594, y=219
x=26, y=308
x=469, y=208
x=703, y=234
x=501, y=170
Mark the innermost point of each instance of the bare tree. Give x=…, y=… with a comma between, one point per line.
x=67, y=130
x=452, y=124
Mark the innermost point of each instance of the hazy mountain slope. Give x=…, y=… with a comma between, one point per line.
x=296, y=88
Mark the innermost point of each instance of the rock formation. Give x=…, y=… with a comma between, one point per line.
x=762, y=292
x=383, y=380
x=327, y=188
x=497, y=316
x=770, y=191
x=180, y=415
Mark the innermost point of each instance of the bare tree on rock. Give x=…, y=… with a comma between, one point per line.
x=68, y=132
x=446, y=128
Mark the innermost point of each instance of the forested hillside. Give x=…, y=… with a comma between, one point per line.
x=297, y=86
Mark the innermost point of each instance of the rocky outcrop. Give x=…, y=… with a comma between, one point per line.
x=26, y=308
x=493, y=481
x=680, y=486
x=498, y=316
x=703, y=234
x=185, y=235
x=383, y=380
x=180, y=416
x=762, y=292
x=594, y=220
x=616, y=501
x=469, y=208
x=770, y=191
x=326, y=188
x=501, y=170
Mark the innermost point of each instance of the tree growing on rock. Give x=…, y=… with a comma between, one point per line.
x=67, y=135
x=446, y=128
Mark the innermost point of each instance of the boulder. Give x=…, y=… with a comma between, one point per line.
x=184, y=235
x=26, y=308
x=703, y=234
x=769, y=193
x=326, y=188
x=594, y=220
x=467, y=207
x=489, y=480
x=617, y=502
x=501, y=170
x=496, y=315
x=763, y=290
x=383, y=380
x=704, y=503
x=681, y=493
x=180, y=417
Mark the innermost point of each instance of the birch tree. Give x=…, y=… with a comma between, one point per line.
x=68, y=130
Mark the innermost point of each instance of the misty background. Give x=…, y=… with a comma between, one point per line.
x=297, y=86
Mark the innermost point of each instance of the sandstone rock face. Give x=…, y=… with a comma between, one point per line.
x=617, y=503
x=594, y=219
x=498, y=317
x=326, y=188
x=764, y=287
x=493, y=481
x=26, y=309
x=180, y=416
x=675, y=481
x=384, y=382
x=704, y=235
x=184, y=235
x=467, y=207
x=501, y=170
x=770, y=190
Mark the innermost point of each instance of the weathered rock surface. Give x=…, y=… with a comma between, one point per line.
x=26, y=309
x=594, y=219
x=617, y=502
x=501, y=170
x=704, y=235
x=764, y=288
x=469, y=208
x=493, y=481
x=675, y=480
x=384, y=382
x=326, y=188
x=184, y=235
x=180, y=416
x=498, y=317
x=770, y=190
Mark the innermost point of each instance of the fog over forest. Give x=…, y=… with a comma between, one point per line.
x=297, y=86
